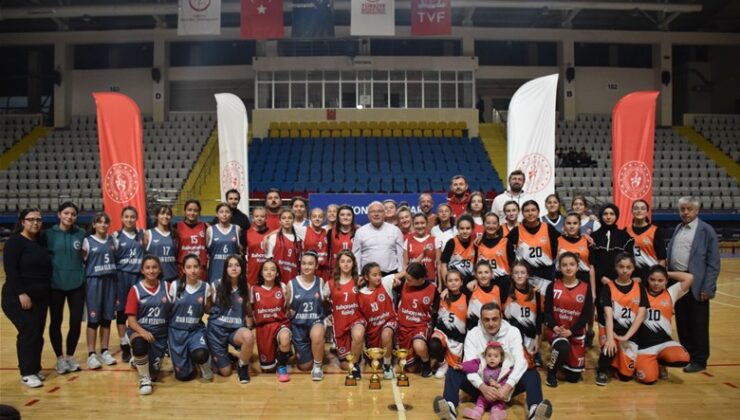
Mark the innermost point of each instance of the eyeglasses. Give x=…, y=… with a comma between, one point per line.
x=34, y=219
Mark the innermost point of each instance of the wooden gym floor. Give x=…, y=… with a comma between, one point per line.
x=113, y=392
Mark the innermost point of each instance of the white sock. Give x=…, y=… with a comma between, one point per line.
x=241, y=363
x=317, y=365
x=387, y=360
x=142, y=366
x=124, y=341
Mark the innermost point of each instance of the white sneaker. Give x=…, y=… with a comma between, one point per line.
x=62, y=366
x=317, y=374
x=145, y=385
x=108, y=358
x=72, y=364
x=32, y=381
x=206, y=371
x=93, y=362
x=441, y=370
x=41, y=376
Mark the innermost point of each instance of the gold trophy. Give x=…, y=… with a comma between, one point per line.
x=401, y=354
x=350, y=380
x=375, y=353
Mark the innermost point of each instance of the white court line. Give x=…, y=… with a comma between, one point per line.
x=398, y=399
x=726, y=304
x=727, y=294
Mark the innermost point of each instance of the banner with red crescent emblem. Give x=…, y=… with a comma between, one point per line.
x=232, y=146
x=633, y=137
x=120, y=138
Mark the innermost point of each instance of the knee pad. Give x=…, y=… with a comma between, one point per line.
x=436, y=350
x=93, y=325
x=121, y=318
x=199, y=356
x=562, y=346
x=105, y=323
x=139, y=347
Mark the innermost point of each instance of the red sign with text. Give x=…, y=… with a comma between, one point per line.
x=431, y=17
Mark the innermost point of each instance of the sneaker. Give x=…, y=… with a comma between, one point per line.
x=538, y=359
x=145, y=385
x=694, y=367
x=601, y=378
x=93, y=362
x=243, y=372
x=62, y=366
x=72, y=364
x=443, y=409
x=41, y=376
x=553, y=359
x=108, y=358
x=662, y=372
x=357, y=372
x=426, y=370
x=206, y=372
x=441, y=370
x=552, y=379
x=32, y=381
x=543, y=411
x=125, y=353
x=282, y=374
x=388, y=372
x=317, y=374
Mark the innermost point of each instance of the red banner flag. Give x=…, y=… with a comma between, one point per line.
x=633, y=137
x=121, y=156
x=262, y=19
x=431, y=17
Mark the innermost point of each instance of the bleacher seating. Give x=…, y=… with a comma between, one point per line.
x=368, y=164
x=15, y=127
x=723, y=131
x=380, y=129
x=680, y=168
x=66, y=165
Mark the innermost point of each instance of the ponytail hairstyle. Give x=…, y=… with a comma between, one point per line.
x=658, y=269
x=150, y=257
x=280, y=236
x=219, y=206
x=568, y=254
x=625, y=256
x=337, y=273
x=366, y=270
x=465, y=218
x=261, y=279
x=647, y=206
x=98, y=217
x=417, y=270
x=223, y=290
x=531, y=294
x=125, y=209
x=163, y=208
x=337, y=226
x=572, y=214
x=196, y=202
x=452, y=215
x=454, y=272
x=183, y=281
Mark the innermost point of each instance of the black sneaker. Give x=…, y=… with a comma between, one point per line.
x=601, y=378
x=243, y=372
x=426, y=369
x=538, y=359
x=357, y=372
x=552, y=379
x=125, y=353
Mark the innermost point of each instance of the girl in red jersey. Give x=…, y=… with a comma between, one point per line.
x=256, y=247
x=646, y=236
x=349, y=325
x=493, y=248
x=191, y=237
x=340, y=237
x=376, y=306
x=417, y=308
x=420, y=247
x=460, y=252
x=572, y=241
x=482, y=291
x=446, y=344
x=476, y=208
x=511, y=217
x=405, y=217
x=317, y=241
x=568, y=308
x=286, y=246
x=625, y=304
x=522, y=310
x=273, y=328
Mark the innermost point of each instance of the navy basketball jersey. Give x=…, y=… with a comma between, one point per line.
x=162, y=246
x=188, y=308
x=130, y=251
x=221, y=245
x=154, y=309
x=307, y=304
x=100, y=256
x=231, y=318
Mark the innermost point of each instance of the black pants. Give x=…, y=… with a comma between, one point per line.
x=76, y=301
x=30, y=325
x=457, y=380
x=692, y=324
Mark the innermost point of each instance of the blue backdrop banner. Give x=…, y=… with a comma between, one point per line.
x=359, y=202
x=312, y=19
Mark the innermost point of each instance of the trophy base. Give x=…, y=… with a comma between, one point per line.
x=350, y=382
x=402, y=382
x=374, y=385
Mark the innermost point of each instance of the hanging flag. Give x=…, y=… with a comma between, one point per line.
x=262, y=19
x=373, y=17
x=121, y=156
x=531, y=136
x=431, y=17
x=232, y=146
x=313, y=19
x=199, y=17
x=633, y=137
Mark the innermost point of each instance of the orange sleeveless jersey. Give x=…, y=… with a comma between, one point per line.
x=535, y=249
x=496, y=257
x=579, y=248
x=479, y=297
x=656, y=329
x=453, y=316
x=645, y=255
x=522, y=314
x=624, y=306
x=425, y=249
x=462, y=259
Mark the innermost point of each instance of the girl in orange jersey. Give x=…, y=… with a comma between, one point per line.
x=572, y=241
x=625, y=304
x=273, y=328
x=656, y=346
x=476, y=208
x=349, y=325
x=511, y=217
x=493, y=249
x=421, y=247
x=446, y=344
x=649, y=249
x=460, y=251
x=522, y=310
x=482, y=291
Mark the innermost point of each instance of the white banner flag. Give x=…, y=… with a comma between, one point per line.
x=531, y=136
x=199, y=17
x=232, y=146
x=373, y=17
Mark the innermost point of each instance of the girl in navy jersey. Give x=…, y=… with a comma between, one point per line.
x=493, y=248
x=286, y=246
x=129, y=253
x=568, y=308
x=191, y=298
x=340, y=237
x=191, y=237
x=553, y=216
x=228, y=323
x=349, y=325
x=161, y=243
x=460, y=251
x=148, y=309
x=98, y=251
x=404, y=217
x=523, y=310
x=222, y=240
x=421, y=247
x=317, y=242
x=271, y=320
x=476, y=208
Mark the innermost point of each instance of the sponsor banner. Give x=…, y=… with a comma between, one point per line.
x=373, y=18
x=633, y=137
x=199, y=17
x=530, y=136
x=312, y=19
x=431, y=17
x=232, y=147
x=359, y=202
x=120, y=138
x=261, y=19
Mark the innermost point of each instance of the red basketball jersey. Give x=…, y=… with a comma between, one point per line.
x=415, y=307
x=256, y=253
x=287, y=256
x=339, y=243
x=268, y=305
x=272, y=221
x=376, y=307
x=317, y=243
x=568, y=303
x=423, y=251
x=192, y=240
x=345, y=309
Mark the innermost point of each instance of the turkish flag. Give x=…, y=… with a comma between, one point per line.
x=120, y=138
x=633, y=137
x=431, y=17
x=262, y=19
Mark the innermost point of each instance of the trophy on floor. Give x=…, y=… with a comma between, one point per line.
x=350, y=379
x=374, y=353
x=401, y=354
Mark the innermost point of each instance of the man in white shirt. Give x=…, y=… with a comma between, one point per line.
x=514, y=193
x=379, y=242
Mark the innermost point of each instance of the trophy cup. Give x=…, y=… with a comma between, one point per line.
x=401, y=354
x=350, y=379
x=374, y=353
